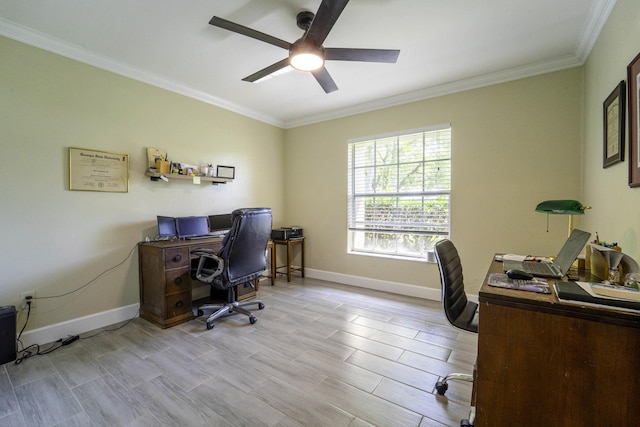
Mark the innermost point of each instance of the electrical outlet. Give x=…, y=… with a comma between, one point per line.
x=23, y=299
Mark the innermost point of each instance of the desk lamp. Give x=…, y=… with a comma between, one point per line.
x=562, y=207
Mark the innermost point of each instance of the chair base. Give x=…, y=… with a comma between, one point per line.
x=442, y=386
x=227, y=309
x=471, y=420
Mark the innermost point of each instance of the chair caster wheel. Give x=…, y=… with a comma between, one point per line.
x=465, y=423
x=253, y=319
x=209, y=326
x=199, y=313
x=441, y=388
x=260, y=306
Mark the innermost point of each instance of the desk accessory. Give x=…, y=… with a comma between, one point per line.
x=562, y=207
x=535, y=284
x=575, y=291
x=618, y=292
x=610, y=263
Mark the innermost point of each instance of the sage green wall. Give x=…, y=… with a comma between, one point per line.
x=615, y=204
x=508, y=139
x=55, y=240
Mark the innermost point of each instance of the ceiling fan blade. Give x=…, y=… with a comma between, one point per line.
x=324, y=78
x=266, y=71
x=326, y=16
x=364, y=55
x=246, y=31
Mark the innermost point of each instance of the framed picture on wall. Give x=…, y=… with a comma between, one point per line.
x=92, y=170
x=633, y=74
x=613, y=124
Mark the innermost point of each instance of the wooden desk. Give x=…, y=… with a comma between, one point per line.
x=289, y=243
x=165, y=279
x=542, y=362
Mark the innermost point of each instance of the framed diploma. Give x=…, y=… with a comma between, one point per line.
x=633, y=77
x=91, y=170
x=613, y=122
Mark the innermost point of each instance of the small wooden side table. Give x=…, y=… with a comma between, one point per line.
x=272, y=266
x=289, y=243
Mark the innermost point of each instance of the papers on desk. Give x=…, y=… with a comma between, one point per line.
x=615, y=292
x=521, y=258
x=536, y=284
x=583, y=293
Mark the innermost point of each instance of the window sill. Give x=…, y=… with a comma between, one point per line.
x=430, y=258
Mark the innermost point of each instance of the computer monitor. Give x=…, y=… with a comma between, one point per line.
x=190, y=226
x=166, y=226
x=220, y=222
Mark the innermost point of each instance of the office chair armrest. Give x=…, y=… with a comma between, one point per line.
x=203, y=274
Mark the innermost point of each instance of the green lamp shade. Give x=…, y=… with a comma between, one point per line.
x=561, y=207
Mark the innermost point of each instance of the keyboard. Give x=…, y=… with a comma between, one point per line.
x=539, y=268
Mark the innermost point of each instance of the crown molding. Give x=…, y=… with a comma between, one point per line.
x=59, y=47
x=598, y=16
x=490, y=79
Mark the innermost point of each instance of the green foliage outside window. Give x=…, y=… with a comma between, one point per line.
x=399, y=190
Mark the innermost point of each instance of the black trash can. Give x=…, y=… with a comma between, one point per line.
x=7, y=334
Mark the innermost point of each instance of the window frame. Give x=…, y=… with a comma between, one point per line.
x=360, y=228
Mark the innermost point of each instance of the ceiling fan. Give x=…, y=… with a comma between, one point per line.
x=307, y=53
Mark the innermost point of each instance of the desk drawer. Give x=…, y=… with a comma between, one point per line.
x=244, y=292
x=176, y=258
x=178, y=304
x=177, y=281
x=215, y=247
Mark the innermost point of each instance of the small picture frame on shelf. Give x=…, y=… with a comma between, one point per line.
x=613, y=123
x=228, y=172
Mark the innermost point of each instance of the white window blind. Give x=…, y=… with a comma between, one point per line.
x=399, y=191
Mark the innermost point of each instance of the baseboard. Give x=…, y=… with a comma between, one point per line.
x=79, y=326
x=375, y=284
x=84, y=324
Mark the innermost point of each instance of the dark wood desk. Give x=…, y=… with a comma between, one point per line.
x=543, y=362
x=165, y=279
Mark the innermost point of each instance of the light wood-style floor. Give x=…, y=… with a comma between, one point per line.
x=321, y=354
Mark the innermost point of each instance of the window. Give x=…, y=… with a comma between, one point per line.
x=399, y=192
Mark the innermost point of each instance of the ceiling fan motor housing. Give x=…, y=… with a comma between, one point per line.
x=304, y=20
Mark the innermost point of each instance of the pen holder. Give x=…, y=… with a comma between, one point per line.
x=163, y=166
x=600, y=265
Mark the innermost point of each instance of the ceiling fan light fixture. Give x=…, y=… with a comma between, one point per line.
x=305, y=57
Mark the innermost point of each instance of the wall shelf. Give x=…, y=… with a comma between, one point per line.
x=155, y=176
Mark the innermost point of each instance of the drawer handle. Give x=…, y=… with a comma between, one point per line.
x=177, y=258
x=178, y=280
x=179, y=304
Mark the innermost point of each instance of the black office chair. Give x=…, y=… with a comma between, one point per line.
x=460, y=312
x=241, y=260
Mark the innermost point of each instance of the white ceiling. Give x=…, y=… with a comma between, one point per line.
x=446, y=46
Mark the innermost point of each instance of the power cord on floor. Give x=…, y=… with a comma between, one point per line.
x=34, y=349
